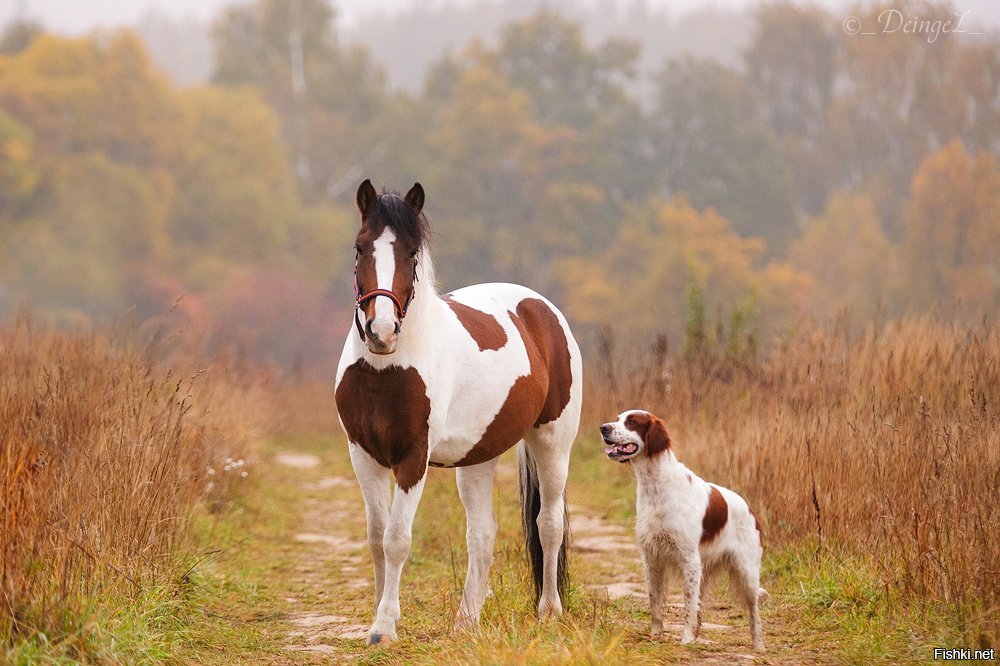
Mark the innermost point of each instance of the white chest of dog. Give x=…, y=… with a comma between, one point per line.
x=686, y=524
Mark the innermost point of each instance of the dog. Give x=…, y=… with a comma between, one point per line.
x=686, y=524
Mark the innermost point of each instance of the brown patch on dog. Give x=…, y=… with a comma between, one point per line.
x=652, y=431
x=483, y=327
x=716, y=515
x=756, y=524
x=386, y=412
x=543, y=328
x=536, y=398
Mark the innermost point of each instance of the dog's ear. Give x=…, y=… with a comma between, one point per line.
x=657, y=438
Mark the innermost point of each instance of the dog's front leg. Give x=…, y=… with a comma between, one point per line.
x=655, y=566
x=692, y=598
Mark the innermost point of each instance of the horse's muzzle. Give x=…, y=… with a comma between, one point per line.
x=384, y=343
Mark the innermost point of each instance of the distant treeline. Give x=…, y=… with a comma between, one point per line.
x=825, y=171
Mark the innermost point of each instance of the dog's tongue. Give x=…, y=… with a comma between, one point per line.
x=608, y=449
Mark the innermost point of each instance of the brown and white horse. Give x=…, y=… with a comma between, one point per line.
x=452, y=381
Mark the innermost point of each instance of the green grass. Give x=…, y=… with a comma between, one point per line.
x=237, y=596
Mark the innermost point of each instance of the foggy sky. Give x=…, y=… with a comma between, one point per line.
x=74, y=16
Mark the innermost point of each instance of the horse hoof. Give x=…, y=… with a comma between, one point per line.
x=379, y=638
x=549, y=610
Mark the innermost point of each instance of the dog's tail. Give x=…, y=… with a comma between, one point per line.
x=762, y=595
x=531, y=505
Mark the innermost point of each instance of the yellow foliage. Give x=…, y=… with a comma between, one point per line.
x=951, y=239
x=851, y=259
x=639, y=281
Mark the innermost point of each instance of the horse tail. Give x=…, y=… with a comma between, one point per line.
x=531, y=505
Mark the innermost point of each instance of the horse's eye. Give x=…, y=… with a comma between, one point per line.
x=413, y=254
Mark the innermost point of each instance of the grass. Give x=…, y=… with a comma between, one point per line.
x=870, y=458
x=822, y=610
x=104, y=457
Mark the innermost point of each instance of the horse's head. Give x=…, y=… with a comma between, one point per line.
x=388, y=246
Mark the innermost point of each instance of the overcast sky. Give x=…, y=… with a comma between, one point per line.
x=81, y=15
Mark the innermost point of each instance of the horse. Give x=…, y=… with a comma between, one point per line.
x=452, y=381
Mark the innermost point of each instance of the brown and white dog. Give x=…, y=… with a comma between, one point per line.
x=686, y=524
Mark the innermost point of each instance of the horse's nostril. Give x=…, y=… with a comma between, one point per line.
x=369, y=331
x=397, y=328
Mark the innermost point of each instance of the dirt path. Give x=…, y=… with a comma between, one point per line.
x=309, y=570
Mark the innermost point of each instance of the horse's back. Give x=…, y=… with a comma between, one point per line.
x=552, y=350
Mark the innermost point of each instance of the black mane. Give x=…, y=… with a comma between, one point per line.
x=392, y=211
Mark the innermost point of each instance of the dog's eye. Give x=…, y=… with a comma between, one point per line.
x=630, y=421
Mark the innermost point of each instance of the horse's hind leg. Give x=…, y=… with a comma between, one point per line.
x=549, y=447
x=374, y=482
x=475, y=487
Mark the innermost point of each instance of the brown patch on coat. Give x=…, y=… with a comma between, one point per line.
x=386, y=412
x=536, y=398
x=716, y=515
x=519, y=411
x=547, y=333
x=484, y=328
x=651, y=430
x=756, y=524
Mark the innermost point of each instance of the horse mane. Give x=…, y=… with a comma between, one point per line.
x=394, y=212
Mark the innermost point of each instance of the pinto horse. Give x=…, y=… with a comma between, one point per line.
x=452, y=381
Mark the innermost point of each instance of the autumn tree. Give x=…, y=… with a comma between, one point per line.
x=661, y=251
x=710, y=147
x=951, y=238
x=852, y=262
x=328, y=96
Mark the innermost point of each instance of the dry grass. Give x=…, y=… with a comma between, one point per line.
x=103, y=457
x=882, y=446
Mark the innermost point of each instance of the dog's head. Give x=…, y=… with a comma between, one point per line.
x=636, y=431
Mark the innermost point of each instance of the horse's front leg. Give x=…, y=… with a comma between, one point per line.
x=377, y=491
x=475, y=487
x=396, y=546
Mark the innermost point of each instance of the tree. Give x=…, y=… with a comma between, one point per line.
x=951, y=239
x=328, y=97
x=665, y=248
x=852, y=262
x=711, y=148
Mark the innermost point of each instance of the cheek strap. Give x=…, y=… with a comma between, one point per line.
x=360, y=299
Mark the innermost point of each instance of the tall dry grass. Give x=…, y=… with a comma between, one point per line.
x=103, y=457
x=883, y=445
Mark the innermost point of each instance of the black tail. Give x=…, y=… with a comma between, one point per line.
x=531, y=504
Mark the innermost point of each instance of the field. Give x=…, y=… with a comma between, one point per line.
x=872, y=459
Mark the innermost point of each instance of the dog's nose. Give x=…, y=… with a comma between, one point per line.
x=606, y=429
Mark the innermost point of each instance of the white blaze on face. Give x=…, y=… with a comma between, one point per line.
x=384, y=322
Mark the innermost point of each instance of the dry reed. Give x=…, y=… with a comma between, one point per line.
x=103, y=457
x=883, y=445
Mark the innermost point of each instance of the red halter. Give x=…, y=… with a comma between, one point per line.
x=360, y=299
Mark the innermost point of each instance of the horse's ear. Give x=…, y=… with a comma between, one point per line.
x=415, y=198
x=657, y=438
x=367, y=196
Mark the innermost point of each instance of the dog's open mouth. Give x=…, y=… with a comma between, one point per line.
x=620, y=450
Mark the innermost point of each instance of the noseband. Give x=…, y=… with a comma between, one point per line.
x=360, y=299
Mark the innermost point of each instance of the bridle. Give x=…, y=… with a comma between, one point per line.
x=360, y=299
